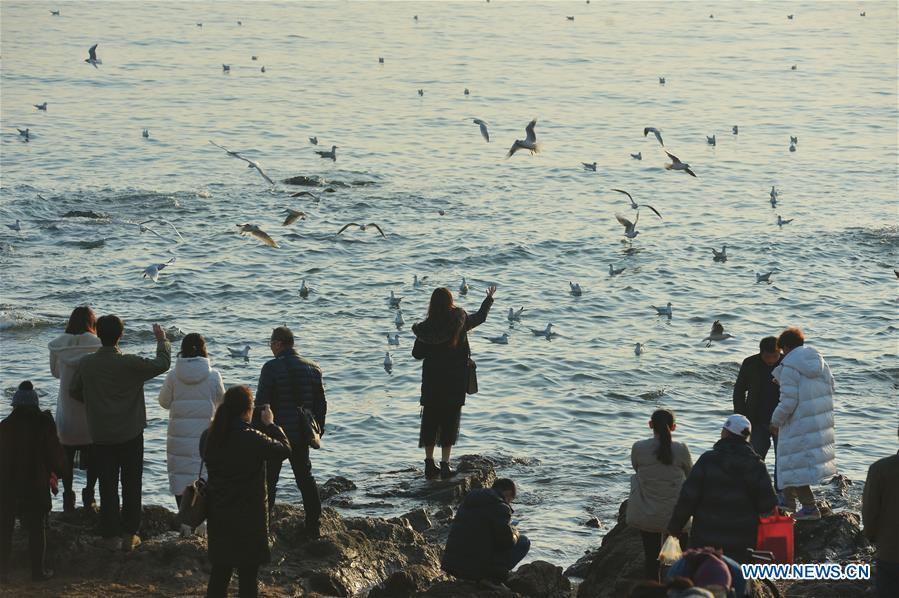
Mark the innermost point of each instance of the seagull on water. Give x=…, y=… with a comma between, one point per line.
x=773, y=195
x=575, y=289
x=152, y=271
x=654, y=131
x=717, y=334
x=417, y=282
x=243, y=353
x=263, y=68
x=766, y=277
x=736, y=130
x=792, y=147
x=638, y=349
x=789, y=17
x=92, y=57
x=362, y=227
x=393, y=340
x=781, y=221
x=515, y=316
x=794, y=140
x=145, y=133
x=253, y=229
x=463, y=287
x=547, y=332
x=16, y=227
x=41, y=106
x=676, y=164
x=326, y=154
x=313, y=140
x=26, y=133
x=304, y=290
x=630, y=228
x=421, y=92
x=254, y=58
x=570, y=18
x=499, y=340
x=635, y=205
x=293, y=216
x=250, y=163
x=226, y=68
x=398, y=320
x=720, y=256
x=529, y=142
x=55, y=13
x=637, y=156
x=388, y=363
x=466, y=92
x=380, y=60
x=711, y=140
x=663, y=311
x=483, y=126
x=393, y=300
x=589, y=166
x=615, y=271
x=661, y=80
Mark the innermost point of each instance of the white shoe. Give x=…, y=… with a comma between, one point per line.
x=200, y=531
x=186, y=531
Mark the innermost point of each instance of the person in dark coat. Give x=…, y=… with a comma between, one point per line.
x=483, y=543
x=235, y=453
x=726, y=492
x=288, y=383
x=441, y=341
x=756, y=395
x=31, y=459
x=881, y=519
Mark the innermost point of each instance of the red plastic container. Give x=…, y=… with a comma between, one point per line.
x=776, y=535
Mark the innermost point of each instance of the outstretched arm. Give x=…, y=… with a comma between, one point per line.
x=480, y=317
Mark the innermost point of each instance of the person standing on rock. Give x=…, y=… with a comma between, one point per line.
x=880, y=515
x=191, y=392
x=441, y=341
x=236, y=453
x=292, y=385
x=661, y=466
x=66, y=351
x=31, y=459
x=803, y=423
x=483, y=544
x=111, y=386
x=726, y=492
x=756, y=395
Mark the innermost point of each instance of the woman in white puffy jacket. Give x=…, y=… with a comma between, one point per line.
x=803, y=422
x=191, y=392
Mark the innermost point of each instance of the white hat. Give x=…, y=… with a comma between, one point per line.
x=738, y=424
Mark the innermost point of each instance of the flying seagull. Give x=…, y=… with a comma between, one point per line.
x=515, y=315
x=393, y=300
x=326, y=154
x=417, y=282
x=711, y=140
x=251, y=163
x=306, y=194
x=717, y=334
x=676, y=164
x=92, y=56
x=529, y=143
x=654, y=131
x=483, y=126
x=41, y=106
x=630, y=228
x=142, y=226
x=635, y=205
x=293, y=216
x=26, y=133
x=781, y=221
x=575, y=289
x=362, y=227
x=252, y=229
x=152, y=272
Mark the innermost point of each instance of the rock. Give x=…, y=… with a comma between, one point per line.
x=418, y=520
x=85, y=214
x=582, y=565
x=834, y=538
x=306, y=181
x=473, y=471
x=403, y=583
x=469, y=589
x=335, y=486
x=540, y=579
x=593, y=522
x=618, y=563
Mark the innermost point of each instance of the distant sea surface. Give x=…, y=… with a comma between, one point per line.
x=559, y=415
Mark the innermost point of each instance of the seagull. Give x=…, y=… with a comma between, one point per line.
x=736, y=130
x=638, y=348
x=254, y=58
x=306, y=194
x=588, y=166
x=773, y=195
x=239, y=23
x=529, y=143
x=661, y=80
x=142, y=226
x=466, y=92
x=55, y=13
x=711, y=140
x=398, y=319
x=26, y=133
x=499, y=340
x=152, y=272
x=388, y=363
x=245, y=352
x=792, y=147
x=304, y=290
x=16, y=227
x=630, y=228
x=417, y=282
x=759, y=277
x=717, y=334
x=463, y=288
x=676, y=164
x=293, y=216
x=615, y=271
x=226, y=68
x=654, y=131
x=380, y=60
x=393, y=300
x=663, y=311
x=326, y=154
x=515, y=316
x=790, y=17
x=362, y=227
x=794, y=140
x=250, y=163
x=199, y=24
x=41, y=106
x=313, y=140
x=393, y=340
x=575, y=289
x=861, y=14
x=252, y=229
x=262, y=69
x=421, y=92
x=92, y=57
x=720, y=256
x=483, y=126
x=145, y=133
x=781, y=221
x=546, y=332
x=570, y=18
x=793, y=68
x=637, y=156
x=635, y=205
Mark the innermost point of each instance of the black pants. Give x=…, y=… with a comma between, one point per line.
x=652, y=545
x=123, y=461
x=91, y=473
x=302, y=471
x=761, y=440
x=34, y=521
x=220, y=578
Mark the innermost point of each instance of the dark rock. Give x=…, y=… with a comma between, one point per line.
x=306, y=181
x=582, y=565
x=85, y=214
x=540, y=580
x=618, y=563
x=335, y=486
x=473, y=471
x=593, y=522
x=833, y=538
x=418, y=520
x=469, y=589
x=403, y=583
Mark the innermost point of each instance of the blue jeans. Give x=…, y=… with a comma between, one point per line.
x=886, y=579
x=508, y=559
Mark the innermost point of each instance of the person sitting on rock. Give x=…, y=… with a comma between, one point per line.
x=881, y=518
x=483, y=544
x=31, y=459
x=726, y=491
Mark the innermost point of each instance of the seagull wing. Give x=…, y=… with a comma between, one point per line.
x=531, y=135
x=229, y=152
x=346, y=226
x=690, y=172
x=150, y=230
x=659, y=137
x=265, y=176
x=293, y=216
x=646, y=205
x=674, y=158
x=93, y=52
x=263, y=236
x=513, y=149
x=717, y=328
x=377, y=227
x=478, y=121
x=626, y=193
x=627, y=224
x=484, y=133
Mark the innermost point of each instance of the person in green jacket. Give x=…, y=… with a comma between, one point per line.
x=881, y=518
x=111, y=386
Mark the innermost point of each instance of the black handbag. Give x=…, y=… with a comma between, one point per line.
x=193, y=509
x=472, y=377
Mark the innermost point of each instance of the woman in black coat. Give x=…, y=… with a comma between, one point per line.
x=442, y=342
x=235, y=454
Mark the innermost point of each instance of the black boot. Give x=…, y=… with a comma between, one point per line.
x=68, y=501
x=432, y=472
x=87, y=500
x=445, y=471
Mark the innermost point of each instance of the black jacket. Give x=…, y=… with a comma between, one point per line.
x=29, y=453
x=756, y=395
x=481, y=530
x=287, y=382
x=726, y=491
x=238, y=505
x=444, y=372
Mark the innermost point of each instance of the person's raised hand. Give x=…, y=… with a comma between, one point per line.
x=267, y=417
x=491, y=290
x=159, y=332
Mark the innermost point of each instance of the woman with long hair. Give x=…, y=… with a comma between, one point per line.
x=441, y=341
x=235, y=454
x=66, y=350
x=191, y=392
x=661, y=465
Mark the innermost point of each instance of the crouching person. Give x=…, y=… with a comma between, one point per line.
x=483, y=544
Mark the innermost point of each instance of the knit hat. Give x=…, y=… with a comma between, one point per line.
x=738, y=424
x=25, y=396
x=712, y=572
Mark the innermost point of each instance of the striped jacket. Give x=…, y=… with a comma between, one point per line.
x=287, y=382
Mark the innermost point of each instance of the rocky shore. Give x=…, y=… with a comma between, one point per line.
x=376, y=557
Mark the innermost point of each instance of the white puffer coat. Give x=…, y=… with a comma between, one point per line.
x=804, y=418
x=191, y=392
x=65, y=353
